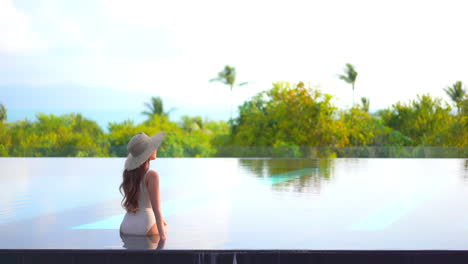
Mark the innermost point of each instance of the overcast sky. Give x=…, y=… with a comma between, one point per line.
x=172, y=48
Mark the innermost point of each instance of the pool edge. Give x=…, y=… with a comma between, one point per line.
x=230, y=256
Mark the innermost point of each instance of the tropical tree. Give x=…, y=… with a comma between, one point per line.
x=456, y=93
x=365, y=104
x=156, y=107
x=70, y=135
x=191, y=123
x=425, y=120
x=228, y=76
x=458, y=136
x=360, y=128
x=3, y=113
x=288, y=116
x=349, y=76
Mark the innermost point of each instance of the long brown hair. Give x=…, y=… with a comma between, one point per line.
x=131, y=186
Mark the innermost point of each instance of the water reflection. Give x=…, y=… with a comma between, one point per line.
x=240, y=203
x=310, y=182
x=465, y=171
x=142, y=242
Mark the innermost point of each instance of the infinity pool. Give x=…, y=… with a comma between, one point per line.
x=230, y=203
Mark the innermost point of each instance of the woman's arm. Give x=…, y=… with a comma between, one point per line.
x=153, y=190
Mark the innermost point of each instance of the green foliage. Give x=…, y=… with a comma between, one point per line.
x=266, y=167
x=179, y=143
x=119, y=135
x=425, y=120
x=365, y=104
x=191, y=124
x=456, y=92
x=3, y=113
x=68, y=135
x=5, y=140
x=289, y=120
x=287, y=115
x=349, y=76
x=156, y=107
x=458, y=133
x=360, y=128
x=228, y=76
x=182, y=140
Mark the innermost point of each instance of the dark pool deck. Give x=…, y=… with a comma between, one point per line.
x=51, y=256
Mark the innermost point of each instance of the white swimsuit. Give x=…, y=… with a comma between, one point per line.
x=139, y=223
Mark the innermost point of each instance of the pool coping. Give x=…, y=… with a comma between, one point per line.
x=230, y=256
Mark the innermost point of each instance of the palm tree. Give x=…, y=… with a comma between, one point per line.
x=228, y=76
x=456, y=93
x=194, y=123
x=349, y=76
x=365, y=103
x=3, y=113
x=156, y=108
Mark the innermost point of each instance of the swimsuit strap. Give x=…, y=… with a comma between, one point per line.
x=144, y=178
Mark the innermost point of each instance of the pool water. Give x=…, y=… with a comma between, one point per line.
x=237, y=203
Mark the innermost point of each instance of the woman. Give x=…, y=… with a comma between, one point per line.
x=141, y=189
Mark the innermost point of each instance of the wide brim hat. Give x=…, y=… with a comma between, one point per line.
x=140, y=148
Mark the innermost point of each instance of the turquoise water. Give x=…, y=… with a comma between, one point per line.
x=230, y=203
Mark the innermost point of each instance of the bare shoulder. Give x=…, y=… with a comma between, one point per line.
x=152, y=177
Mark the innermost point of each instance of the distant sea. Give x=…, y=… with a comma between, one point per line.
x=101, y=104
x=104, y=116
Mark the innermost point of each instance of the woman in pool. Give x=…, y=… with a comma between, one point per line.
x=141, y=189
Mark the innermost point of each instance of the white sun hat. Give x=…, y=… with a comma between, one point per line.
x=140, y=148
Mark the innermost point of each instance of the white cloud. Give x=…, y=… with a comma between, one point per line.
x=15, y=31
x=172, y=48
x=138, y=12
x=71, y=27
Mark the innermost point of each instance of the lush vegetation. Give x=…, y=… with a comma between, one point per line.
x=288, y=120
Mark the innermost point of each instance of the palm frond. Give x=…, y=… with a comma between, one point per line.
x=456, y=92
x=226, y=76
x=344, y=78
x=149, y=106
x=365, y=103
x=3, y=113
x=170, y=111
